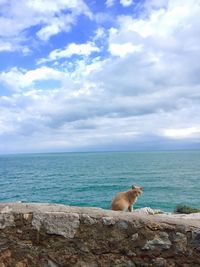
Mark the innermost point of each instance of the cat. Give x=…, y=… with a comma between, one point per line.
x=124, y=200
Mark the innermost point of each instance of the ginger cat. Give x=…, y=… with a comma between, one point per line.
x=124, y=200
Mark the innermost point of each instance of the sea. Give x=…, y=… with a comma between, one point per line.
x=169, y=178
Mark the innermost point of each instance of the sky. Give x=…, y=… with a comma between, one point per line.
x=96, y=75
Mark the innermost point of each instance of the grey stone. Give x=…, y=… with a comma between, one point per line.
x=129, y=264
x=4, y=244
x=50, y=263
x=28, y=216
x=108, y=220
x=160, y=241
x=64, y=224
x=122, y=225
x=196, y=239
x=81, y=263
x=134, y=237
x=159, y=262
x=88, y=220
x=147, y=210
x=117, y=246
x=180, y=242
x=6, y=209
x=120, y=263
x=6, y=220
x=131, y=253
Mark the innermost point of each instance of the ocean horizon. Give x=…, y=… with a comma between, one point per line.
x=92, y=178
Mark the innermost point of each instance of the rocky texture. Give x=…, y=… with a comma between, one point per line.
x=58, y=235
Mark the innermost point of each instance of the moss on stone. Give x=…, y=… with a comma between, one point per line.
x=186, y=209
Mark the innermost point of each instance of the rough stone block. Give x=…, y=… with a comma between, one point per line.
x=64, y=224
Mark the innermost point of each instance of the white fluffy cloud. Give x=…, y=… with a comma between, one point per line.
x=16, y=80
x=51, y=17
x=124, y=49
x=180, y=133
x=126, y=3
x=5, y=46
x=144, y=91
x=72, y=49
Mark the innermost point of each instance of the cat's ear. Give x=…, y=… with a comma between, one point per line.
x=133, y=187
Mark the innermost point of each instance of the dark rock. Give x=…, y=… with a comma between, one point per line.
x=196, y=239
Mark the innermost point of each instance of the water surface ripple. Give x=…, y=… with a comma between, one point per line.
x=92, y=179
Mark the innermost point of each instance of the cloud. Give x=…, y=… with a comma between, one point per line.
x=5, y=47
x=100, y=33
x=190, y=132
x=48, y=17
x=19, y=80
x=12, y=47
x=123, y=49
x=162, y=22
x=72, y=49
x=143, y=91
x=153, y=43
x=126, y=3
x=110, y=3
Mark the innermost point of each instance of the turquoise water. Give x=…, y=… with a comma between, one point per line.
x=92, y=179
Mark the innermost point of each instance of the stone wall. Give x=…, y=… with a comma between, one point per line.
x=57, y=235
